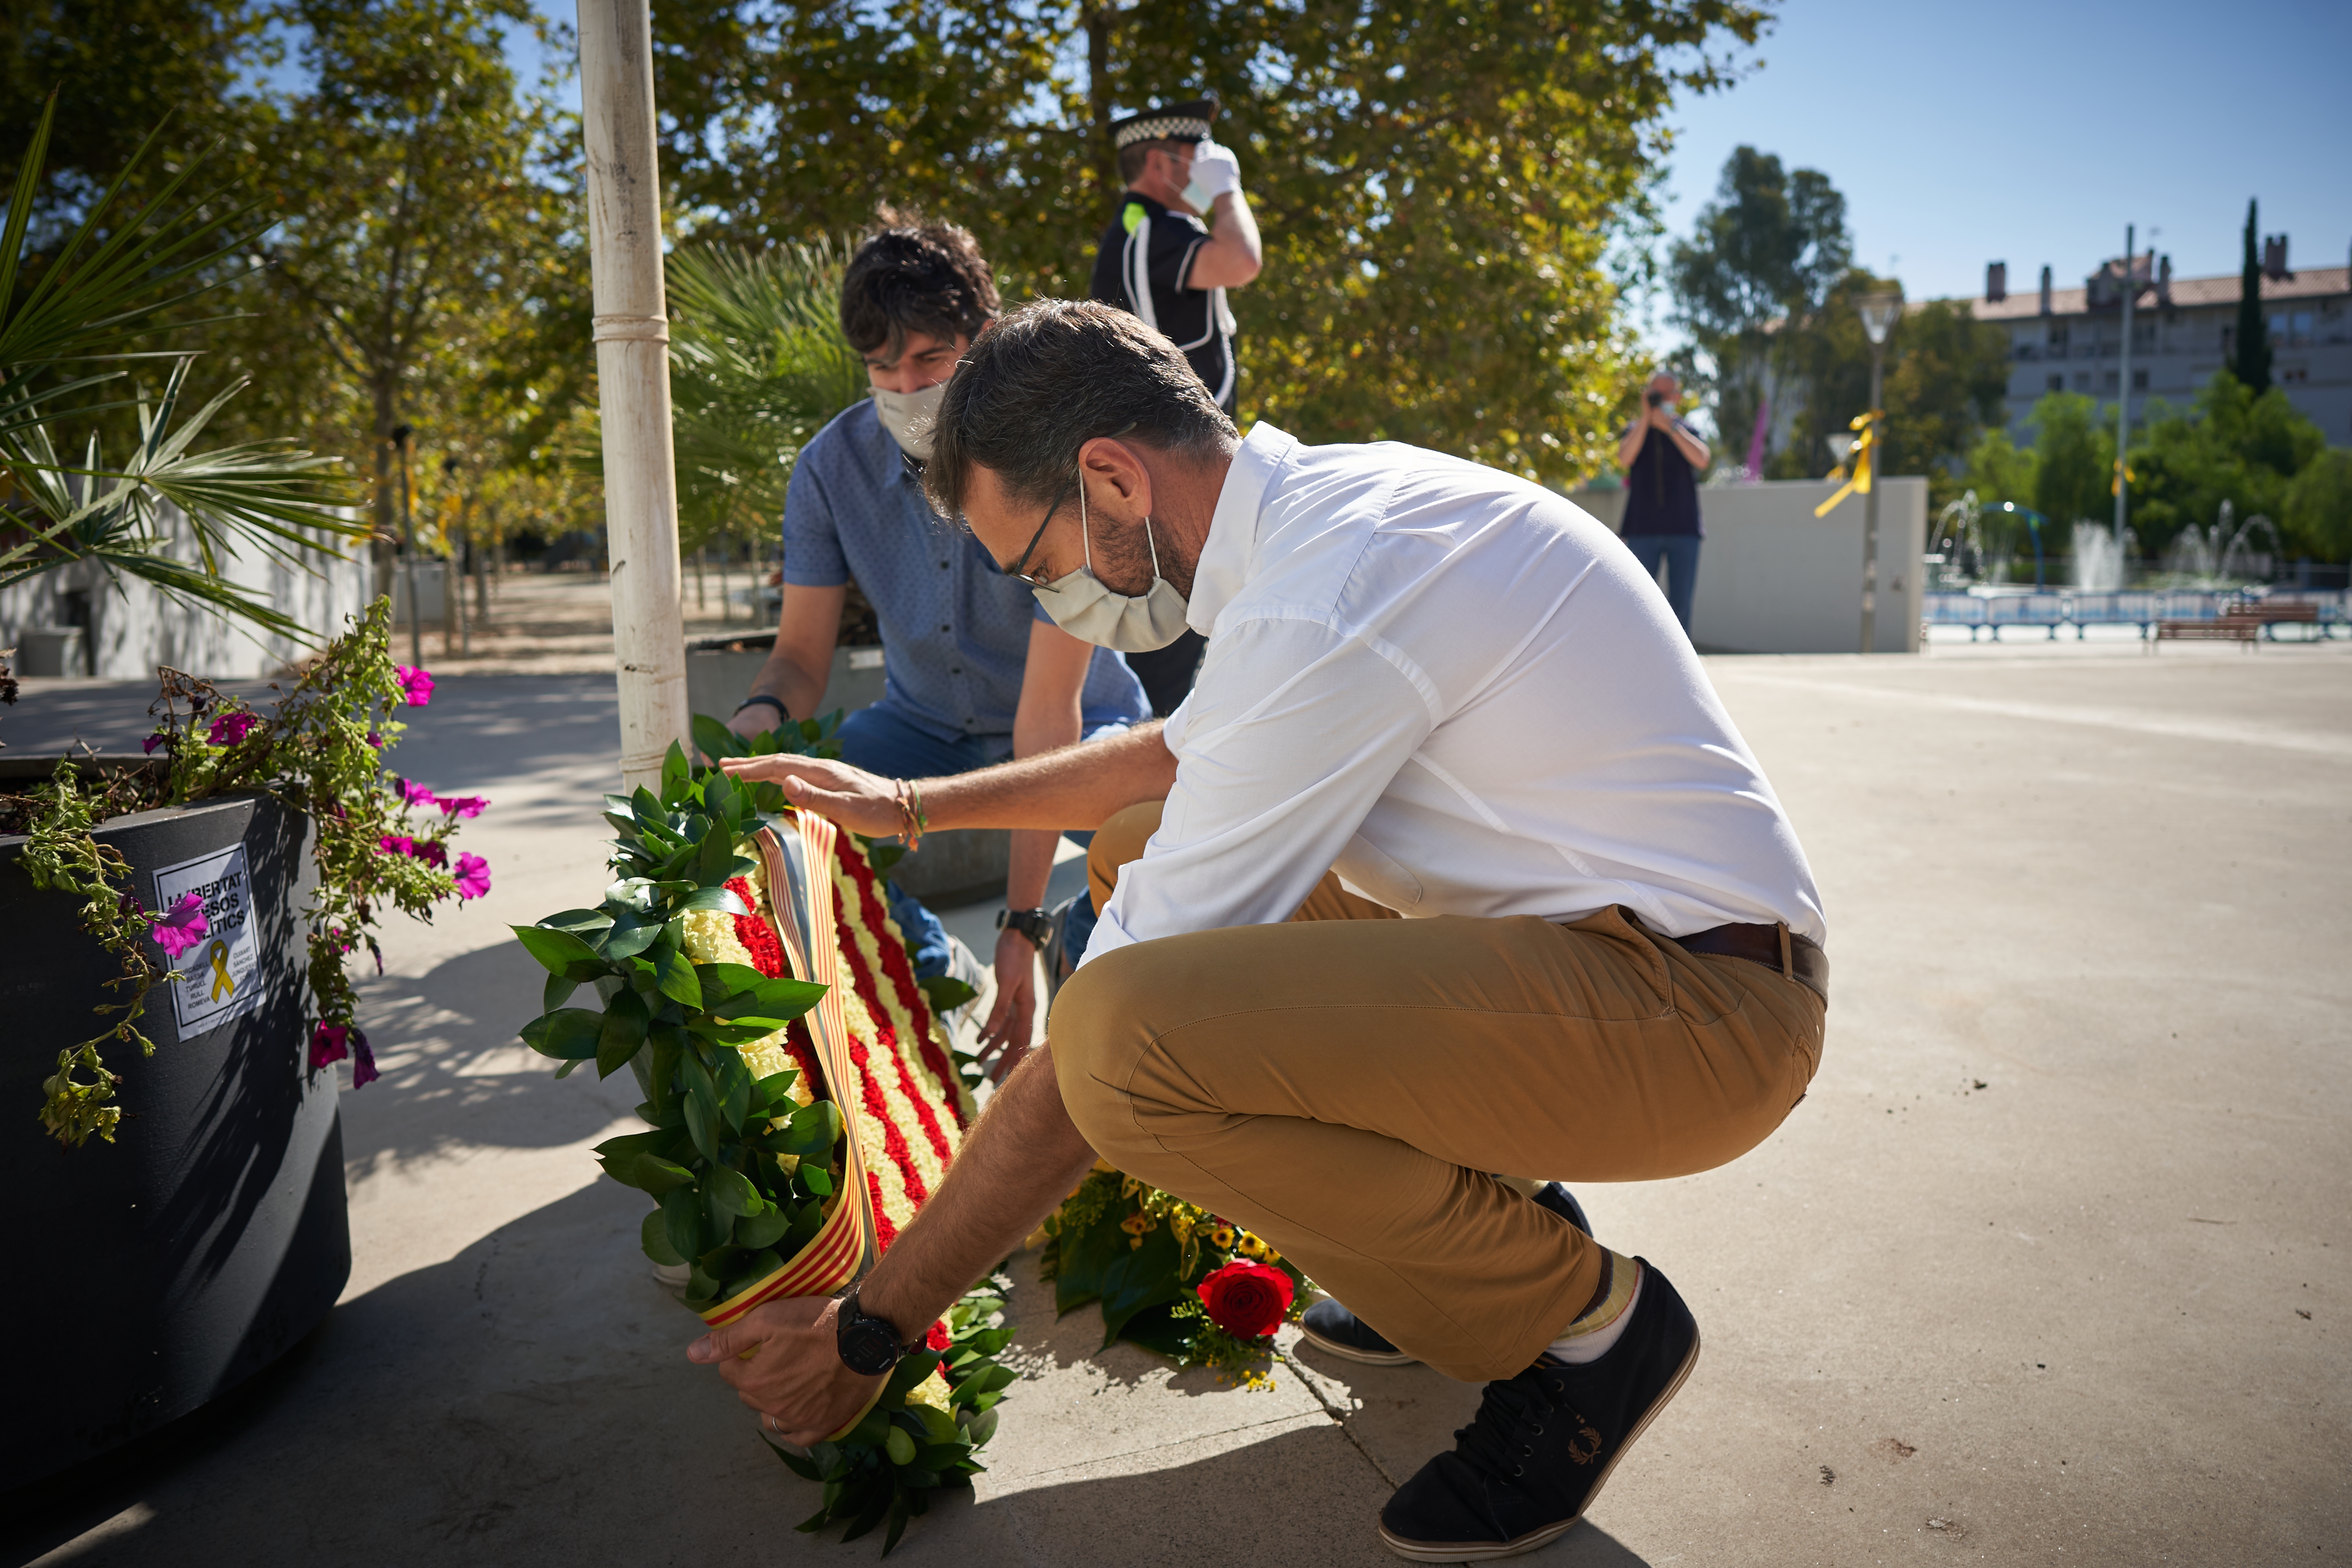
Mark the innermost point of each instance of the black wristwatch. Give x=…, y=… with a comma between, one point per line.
x=1034, y=924
x=783, y=714
x=869, y=1347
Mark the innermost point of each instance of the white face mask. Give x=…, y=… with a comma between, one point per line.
x=1198, y=197
x=1084, y=605
x=910, y=417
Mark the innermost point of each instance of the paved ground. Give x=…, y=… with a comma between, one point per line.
x=2043, y=1271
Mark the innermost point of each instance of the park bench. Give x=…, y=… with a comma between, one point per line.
x=2242, y=623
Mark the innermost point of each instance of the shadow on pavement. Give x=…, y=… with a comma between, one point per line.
x=530, y=1402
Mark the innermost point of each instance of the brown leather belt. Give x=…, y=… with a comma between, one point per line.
x=1806, y=962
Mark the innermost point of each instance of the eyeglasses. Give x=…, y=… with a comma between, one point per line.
x=1016, y=569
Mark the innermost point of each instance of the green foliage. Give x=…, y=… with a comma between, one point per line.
x=322, y=752
x=2232, y=444
x=93, y=298
x=1999, y=471
x=904, y=1449
x=2249, y=360
x=1436, y=181
x=1758, y=268
x=2319, y=507
x=2074, y=459
x=1141, y=1254
x=61, y=855
x=758, y=364
x=743, y=1177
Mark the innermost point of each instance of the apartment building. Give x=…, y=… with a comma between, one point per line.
x=2183, y=330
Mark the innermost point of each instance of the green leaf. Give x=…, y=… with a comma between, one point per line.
x=721, y=981
x=675, y=768
x=813, y=1131
x=652, y=1237
x=731, y=1192
x=945, y=992
x=776, y=1088
x=816, y=1180
x=681, y=1212
x=714, y=740
x=1144, y=1277
x=557, y=992
x=630, y=935
x=882, y=856
x=792, y=1461
x=762, y=1230
x=583, y=923
x=568, y=1034
x=717, y=897
x=782, y=998
x=702, y=1121
x=624, y=1031
x=734, y=1080
x=557, y=951
x=981, y=1428
x=675, y=974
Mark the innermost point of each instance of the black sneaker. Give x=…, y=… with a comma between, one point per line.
x=1330, y=1327
x=1542, y=1443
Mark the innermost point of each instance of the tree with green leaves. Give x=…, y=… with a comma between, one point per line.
x=423, y=245
x=2250, y=358
x=2074, y=458
x=2318, y=518
x=1756, y=275
x=63, y=338
x=1437, y=179
x=2233, y=444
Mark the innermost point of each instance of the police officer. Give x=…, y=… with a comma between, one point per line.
x=1159, y=261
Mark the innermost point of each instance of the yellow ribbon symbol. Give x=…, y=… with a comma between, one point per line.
x=1866, y=428
x=218, y=957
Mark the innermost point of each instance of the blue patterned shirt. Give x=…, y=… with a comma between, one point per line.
x=956, y=627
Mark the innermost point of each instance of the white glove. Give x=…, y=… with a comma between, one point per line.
x=1215, y=171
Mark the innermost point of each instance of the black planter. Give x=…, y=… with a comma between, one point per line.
x=153, y=1273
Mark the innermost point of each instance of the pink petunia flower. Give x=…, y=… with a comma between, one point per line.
x=473, y=875
x=326, y=1044
x=414, y=793
x=229, y=729
x=363, y=1071
x=154, y=741
x=463, y=806
x=416, y=684
x=432, y=851
x=375, y=740
x=182, y=926
x=393, y=844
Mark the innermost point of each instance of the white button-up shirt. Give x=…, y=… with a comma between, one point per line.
x=1457, y=690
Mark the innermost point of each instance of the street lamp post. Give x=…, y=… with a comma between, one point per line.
x=2122, y=401
x=1878, y=313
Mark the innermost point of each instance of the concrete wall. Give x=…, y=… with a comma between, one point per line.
x=133, y=628
x=1774, y=578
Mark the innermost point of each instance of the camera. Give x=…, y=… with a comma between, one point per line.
x=1655, y=397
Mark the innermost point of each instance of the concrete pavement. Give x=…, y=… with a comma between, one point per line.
x=2024, y=1281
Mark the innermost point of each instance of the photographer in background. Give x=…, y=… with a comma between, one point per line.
x=1663, y=458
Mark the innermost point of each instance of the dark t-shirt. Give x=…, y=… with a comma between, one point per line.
x=1661, y=489
x=1143, y=265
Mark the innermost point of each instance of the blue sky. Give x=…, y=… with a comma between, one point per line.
x=2031, y=134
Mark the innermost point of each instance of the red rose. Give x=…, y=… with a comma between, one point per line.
x=1247, y=1299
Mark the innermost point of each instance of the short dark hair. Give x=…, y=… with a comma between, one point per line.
x=1050, y=377
x=1131, y=157
x=909, y=276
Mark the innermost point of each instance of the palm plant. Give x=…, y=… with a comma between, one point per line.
x=91, y=303
x=758, y=364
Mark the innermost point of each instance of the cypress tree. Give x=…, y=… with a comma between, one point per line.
x=2251, y=363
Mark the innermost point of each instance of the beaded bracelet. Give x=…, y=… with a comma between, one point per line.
x=911, y=819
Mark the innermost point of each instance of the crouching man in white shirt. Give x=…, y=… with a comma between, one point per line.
x=1431, y=691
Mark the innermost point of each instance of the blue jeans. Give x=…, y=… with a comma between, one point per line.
x=881, y=740
x=1680, y=553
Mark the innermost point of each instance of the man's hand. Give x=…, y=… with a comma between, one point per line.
x=1216, y=169
x=755, y=720
x=783, y=1359
x=1004, y=1039
x=862, y=801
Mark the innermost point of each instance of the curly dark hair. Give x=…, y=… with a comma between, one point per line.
x=909, y=276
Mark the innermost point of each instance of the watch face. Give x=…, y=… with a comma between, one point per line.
x=868, y=1347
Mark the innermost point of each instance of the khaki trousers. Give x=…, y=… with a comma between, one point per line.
x=1341, y=1085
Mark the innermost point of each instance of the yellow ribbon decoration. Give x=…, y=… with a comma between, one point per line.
x=1865, y=426
x=218, y=958
x=2124, y=475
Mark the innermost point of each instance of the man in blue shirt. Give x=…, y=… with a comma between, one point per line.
x=976, y=673
x=1663, y=458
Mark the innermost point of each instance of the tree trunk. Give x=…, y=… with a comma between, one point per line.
x=1105, y=157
